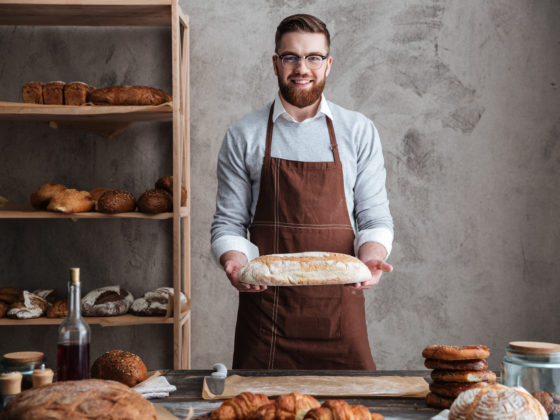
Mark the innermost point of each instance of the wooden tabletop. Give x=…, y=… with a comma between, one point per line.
x=189, y=391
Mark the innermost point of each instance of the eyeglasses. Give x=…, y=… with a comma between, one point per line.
x=291, y=61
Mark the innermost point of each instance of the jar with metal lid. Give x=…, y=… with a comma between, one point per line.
x=535, y=366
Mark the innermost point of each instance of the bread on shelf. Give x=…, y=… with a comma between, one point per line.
x=32, y=93
x=106, y=301
x=53, y=93
x=76, y=93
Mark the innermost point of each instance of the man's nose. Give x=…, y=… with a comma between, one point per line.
x=302, y=64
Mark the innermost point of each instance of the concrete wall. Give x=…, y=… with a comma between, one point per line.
x=465, y=97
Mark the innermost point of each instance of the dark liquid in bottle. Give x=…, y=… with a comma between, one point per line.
x=73, y=362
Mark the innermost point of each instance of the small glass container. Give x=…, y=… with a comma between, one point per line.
x=24, y=362
x=534, y=366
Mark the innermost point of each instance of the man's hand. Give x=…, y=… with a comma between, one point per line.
x=232, y=261
x=373, y=255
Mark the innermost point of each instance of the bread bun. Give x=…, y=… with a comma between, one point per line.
x=495, y=401
x=9, y=294
x=121, y=366
x=305, y=268
x=443, y=352
x=59, y=309
x=41, y=197
x=116, y=201
x=463, y=376
x=106, y=301
x=96, y=193
x=155, y=201
x=166, y=183
x=475, y=364
x=71, y=201
x=80, y=400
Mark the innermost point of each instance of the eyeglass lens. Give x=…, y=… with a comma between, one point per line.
x=312, y=61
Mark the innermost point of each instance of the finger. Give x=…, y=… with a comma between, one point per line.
x=386, y=267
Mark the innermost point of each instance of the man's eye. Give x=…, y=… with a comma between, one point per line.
x=290, y=58
x=314, y=58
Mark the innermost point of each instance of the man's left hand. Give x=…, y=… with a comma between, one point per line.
x=377, y=267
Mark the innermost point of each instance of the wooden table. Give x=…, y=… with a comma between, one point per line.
x=189, y=391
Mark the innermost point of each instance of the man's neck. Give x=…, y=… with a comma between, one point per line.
x=300, y=114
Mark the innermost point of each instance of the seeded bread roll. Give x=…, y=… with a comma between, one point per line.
x=166, y=183
x=96, y=193
x=155, y=201
x=71, y=201
x=107, y=301
x=53, y=93
x=303, y=269
x=80, y=400
x=76, y=93
x=116, y=201
x=41, y=197
x=129, y=95
x=32, y=93
x=121, y=366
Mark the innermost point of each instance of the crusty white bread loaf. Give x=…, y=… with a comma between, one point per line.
x=30, y=306
x=303, y=269
x=496, y=402
x=107, y=301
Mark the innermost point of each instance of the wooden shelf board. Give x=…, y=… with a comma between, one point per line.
x=86, y=12
x=85, y=113
x=36, y=214
x=109, y=321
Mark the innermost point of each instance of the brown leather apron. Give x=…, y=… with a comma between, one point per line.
x=302, y=207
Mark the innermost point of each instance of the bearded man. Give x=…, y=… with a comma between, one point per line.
x=302, y=174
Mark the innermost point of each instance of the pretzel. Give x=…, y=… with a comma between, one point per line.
x=475, y=364
x=463, y=376
x=443, y=352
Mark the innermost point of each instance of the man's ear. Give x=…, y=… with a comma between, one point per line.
x=329, y=64
x=274, y=58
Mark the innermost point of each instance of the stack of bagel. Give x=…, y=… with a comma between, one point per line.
x=455, y=369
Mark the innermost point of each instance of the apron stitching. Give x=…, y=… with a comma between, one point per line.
x=302, y=225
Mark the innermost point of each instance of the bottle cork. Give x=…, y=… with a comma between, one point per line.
x=42, y=377
x=75, y=275
x=10, y=383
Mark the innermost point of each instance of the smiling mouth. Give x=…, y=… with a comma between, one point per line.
x=301, y=82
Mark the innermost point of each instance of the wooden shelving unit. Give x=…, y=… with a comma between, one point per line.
x=166, y=13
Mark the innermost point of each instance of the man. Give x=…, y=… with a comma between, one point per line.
x=302, y=174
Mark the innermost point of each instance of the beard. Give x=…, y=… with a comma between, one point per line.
x=301, y=97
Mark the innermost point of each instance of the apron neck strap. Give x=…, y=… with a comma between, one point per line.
x=270, y=126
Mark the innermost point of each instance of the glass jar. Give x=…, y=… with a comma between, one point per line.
x=24, y=362
x=534, y=366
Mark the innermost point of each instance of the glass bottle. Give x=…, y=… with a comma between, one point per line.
x=73, y=337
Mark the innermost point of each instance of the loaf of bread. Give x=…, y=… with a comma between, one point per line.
x=59, y=309
x=50, y=295
x=241, y=407
x=288, y=407
x=31, y=306
x=32, y=93
x=76, y=93
x=129, y=95
x=116, y=201
x=107, y=301
x=155, y=201
x=71, y=201
x=495, y=401
x=121, y=366
x=166, y=183
x=306, y=268
x=9, y=294
x=340, y=409
x=158, y=302
x=41, y=197
x=53, y=93
x=80, y=400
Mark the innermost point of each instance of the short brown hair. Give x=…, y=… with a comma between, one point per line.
x=302, y=23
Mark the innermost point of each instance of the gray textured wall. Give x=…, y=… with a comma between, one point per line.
x=465, y=97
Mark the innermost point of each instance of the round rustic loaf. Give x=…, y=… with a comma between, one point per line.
x=107, y=301
x=31, y=306
x=121, y=366
x=41, y=197
x=116, y=201
x=166, y=183
x=495, y=401
x=155, y=201
x=80, y=400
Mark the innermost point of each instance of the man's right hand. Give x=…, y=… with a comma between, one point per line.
x=232, y=261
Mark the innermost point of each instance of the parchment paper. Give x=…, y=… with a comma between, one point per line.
x=323, y=386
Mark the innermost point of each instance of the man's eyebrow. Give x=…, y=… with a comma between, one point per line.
x=311, y=53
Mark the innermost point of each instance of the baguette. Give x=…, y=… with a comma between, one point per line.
x=304, y=269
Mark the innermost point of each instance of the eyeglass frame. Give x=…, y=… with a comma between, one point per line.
x=323, y=58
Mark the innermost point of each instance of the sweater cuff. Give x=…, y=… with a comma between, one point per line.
x=234, y=243
x=383, y=236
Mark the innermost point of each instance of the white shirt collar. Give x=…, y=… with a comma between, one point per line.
x=279, y=110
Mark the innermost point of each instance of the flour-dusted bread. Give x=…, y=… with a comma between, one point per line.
x=107, y=301
x=158, y=302
x=303, y=269
x=80, y=400
x=496, y=402
x=29, y=307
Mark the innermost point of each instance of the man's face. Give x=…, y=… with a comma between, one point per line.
x=300, y=85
